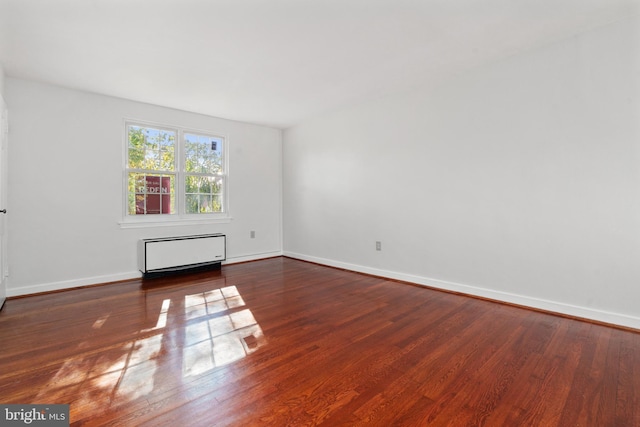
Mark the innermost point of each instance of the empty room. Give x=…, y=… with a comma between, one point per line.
x=320, y=213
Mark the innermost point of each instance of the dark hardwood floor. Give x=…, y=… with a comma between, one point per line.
x=281, y=342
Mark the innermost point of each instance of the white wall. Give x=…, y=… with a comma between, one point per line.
x=65, y=187
x=1, y=81
x=518, y=181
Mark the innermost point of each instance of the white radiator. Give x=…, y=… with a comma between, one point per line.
x=178, y=253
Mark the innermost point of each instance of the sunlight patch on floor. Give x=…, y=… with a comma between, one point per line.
x=218, y=341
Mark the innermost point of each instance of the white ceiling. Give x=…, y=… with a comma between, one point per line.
x=275, y=62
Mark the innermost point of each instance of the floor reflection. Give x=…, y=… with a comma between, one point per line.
x=132, y=376
x=101, y=378
x=162, y=316
x=213, y=341
x=209, y=330
x=212, y=302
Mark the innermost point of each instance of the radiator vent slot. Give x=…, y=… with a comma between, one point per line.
x=180, y=253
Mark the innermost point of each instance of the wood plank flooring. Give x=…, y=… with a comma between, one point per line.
x=281, y=342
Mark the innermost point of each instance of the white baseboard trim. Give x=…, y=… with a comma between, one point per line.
x=522, y=300
x=98, y=280
x=253, y=257
x=68, y=284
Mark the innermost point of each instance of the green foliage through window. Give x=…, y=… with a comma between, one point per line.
x=155, y=179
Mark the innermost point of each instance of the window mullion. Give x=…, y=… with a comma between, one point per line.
x=180, y=196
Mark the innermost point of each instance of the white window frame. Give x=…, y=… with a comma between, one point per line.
x=180, y=217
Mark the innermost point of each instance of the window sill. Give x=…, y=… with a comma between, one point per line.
x=146, y=223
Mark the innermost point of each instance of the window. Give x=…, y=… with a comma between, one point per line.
x=203, y=173
x=174, y=174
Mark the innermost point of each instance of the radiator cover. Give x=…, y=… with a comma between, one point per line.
x=180, y=253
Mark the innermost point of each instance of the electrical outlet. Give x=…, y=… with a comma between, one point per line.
x=253, y=234
x=378, y=246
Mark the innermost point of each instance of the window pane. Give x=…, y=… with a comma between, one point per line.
x=205, y=203
x=216, y=186
x=191, y=184
x=136, y=158
x=203, y=154
x=216, y=204
x=205, y=185
x=203, y=194
x=192, y=203
x=152, y=159
x=152, y=149
x=151, y=194
x=167, y=159
x=136, y=137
